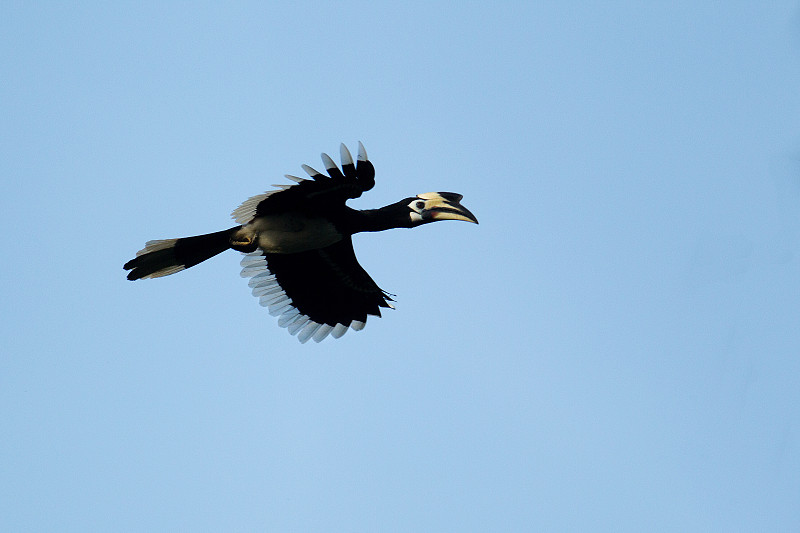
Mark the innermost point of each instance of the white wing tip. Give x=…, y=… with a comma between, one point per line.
x=322, y=332
x=339, y=330
x=362, y=152
x=310, y=171
x=271, y=295
x=328, y=162
x=297, y=325
x=310, y=329
x=247, y=210
x=345, y=156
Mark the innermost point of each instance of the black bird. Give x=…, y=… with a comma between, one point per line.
x=300, y=257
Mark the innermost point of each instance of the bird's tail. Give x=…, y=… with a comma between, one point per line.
x=165, y=257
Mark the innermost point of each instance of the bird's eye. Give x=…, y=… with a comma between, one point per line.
x=420, y=205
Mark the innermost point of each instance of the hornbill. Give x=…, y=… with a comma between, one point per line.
x=300, y=257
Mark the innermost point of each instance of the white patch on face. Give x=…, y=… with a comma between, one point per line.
x=417, y=206
x=432, y=206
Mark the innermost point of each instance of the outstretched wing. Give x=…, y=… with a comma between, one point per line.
x=320, y=194
x=315, y=293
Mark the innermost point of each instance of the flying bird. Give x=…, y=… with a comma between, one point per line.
x=298, y=246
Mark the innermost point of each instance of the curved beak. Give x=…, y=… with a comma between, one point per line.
x=445, y=206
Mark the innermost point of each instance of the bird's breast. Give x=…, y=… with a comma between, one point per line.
x=290, y=233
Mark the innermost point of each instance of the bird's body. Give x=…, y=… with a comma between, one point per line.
x=299, y=250
x=289, y=233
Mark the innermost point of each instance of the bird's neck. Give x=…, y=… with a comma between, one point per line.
x=388, y=217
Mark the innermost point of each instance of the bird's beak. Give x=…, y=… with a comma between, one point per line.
x=445, y=206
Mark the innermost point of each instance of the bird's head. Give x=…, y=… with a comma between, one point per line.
x=433, y=206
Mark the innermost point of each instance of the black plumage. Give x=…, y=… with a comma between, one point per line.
x=300, y=257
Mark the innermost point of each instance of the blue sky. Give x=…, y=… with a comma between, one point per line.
x=615, y=347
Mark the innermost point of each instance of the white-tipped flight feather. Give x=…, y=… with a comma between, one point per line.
x=310, y=171
x=344, y=154
x=328, y=162
x=266, y=288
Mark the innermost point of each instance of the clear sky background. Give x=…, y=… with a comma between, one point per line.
x=616, y=347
